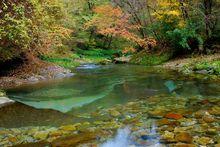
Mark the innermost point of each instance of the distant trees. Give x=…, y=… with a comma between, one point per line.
x=183, y=26
x=187, y=26
x=112, y=22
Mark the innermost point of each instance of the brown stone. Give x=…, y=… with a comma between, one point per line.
x=114, y=113
x=184, y=137
x=199, y=114
x=208, y=118
x=13, y=139
x=158, y=113
x=184, y=145
x=75, y=140
x=215, y=110
x=174, y=116
x=163, y=122
x=56, y=133
x=204, y=140
x=168, y=137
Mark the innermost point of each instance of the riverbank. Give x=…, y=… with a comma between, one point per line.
x=56, y=68
x=43, y=73
x=206, y=64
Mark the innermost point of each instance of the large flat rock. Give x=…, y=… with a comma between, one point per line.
x=5, y=101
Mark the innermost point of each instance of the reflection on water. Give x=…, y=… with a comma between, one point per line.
x=122, y=139
x=94, y=87
x=88, y=66
x=64, y=99
x=125, y=138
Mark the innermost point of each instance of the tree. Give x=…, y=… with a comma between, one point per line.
x=30, y=27
x=112, y=22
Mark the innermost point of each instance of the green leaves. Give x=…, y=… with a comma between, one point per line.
x=181, y=38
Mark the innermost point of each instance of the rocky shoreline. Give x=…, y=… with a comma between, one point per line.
x=45, y=73
x=187, y=65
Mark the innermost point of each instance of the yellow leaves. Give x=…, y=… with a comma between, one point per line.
x=167, y=3
x=128, y=50
x=108, y=11
x=174, y=13
x=106, y=17
x=169, y=11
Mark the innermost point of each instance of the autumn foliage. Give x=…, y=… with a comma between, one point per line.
x=109, y=20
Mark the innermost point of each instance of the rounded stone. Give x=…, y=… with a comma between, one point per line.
x=203, y=140
x=42, y=135
x=114, y=113
x=184, y=137
x=168, y=136
x=68, y=128
x=208, y=118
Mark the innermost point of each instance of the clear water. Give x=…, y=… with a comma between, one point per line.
x=68, y=100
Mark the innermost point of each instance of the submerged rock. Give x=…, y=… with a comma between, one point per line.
x=41, y=135
x=75, y=140
x=183, y=145
x=208, y=118
x=158, y=113
x=184, y=137
x=114, y=113
x=168, y=137
x=4, y=101
x=203, y=140
x=200, y=113
x=68, y=128
x=163, y=122
x=173, y=116
x=188, y=122
x=215, y=110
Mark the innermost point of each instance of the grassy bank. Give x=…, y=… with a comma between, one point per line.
x=208, y=64
x=97, y=56
x=150, y=59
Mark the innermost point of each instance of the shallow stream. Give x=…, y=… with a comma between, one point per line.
x=98, y=88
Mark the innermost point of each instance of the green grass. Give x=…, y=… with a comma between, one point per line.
x=144, y=58
x=64, y=62
x=211, y=66
x=101, y=53
x=81, y=56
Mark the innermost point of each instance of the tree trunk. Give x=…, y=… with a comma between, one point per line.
x=184, y=9
x=208, y=12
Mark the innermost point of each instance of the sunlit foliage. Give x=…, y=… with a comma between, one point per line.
x=30, y=26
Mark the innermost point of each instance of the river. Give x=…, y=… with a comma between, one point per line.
x=97, y=88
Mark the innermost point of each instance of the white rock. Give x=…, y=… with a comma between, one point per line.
x=5, y=101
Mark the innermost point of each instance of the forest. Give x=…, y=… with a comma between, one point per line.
x=66, y=29
x=109, y=73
